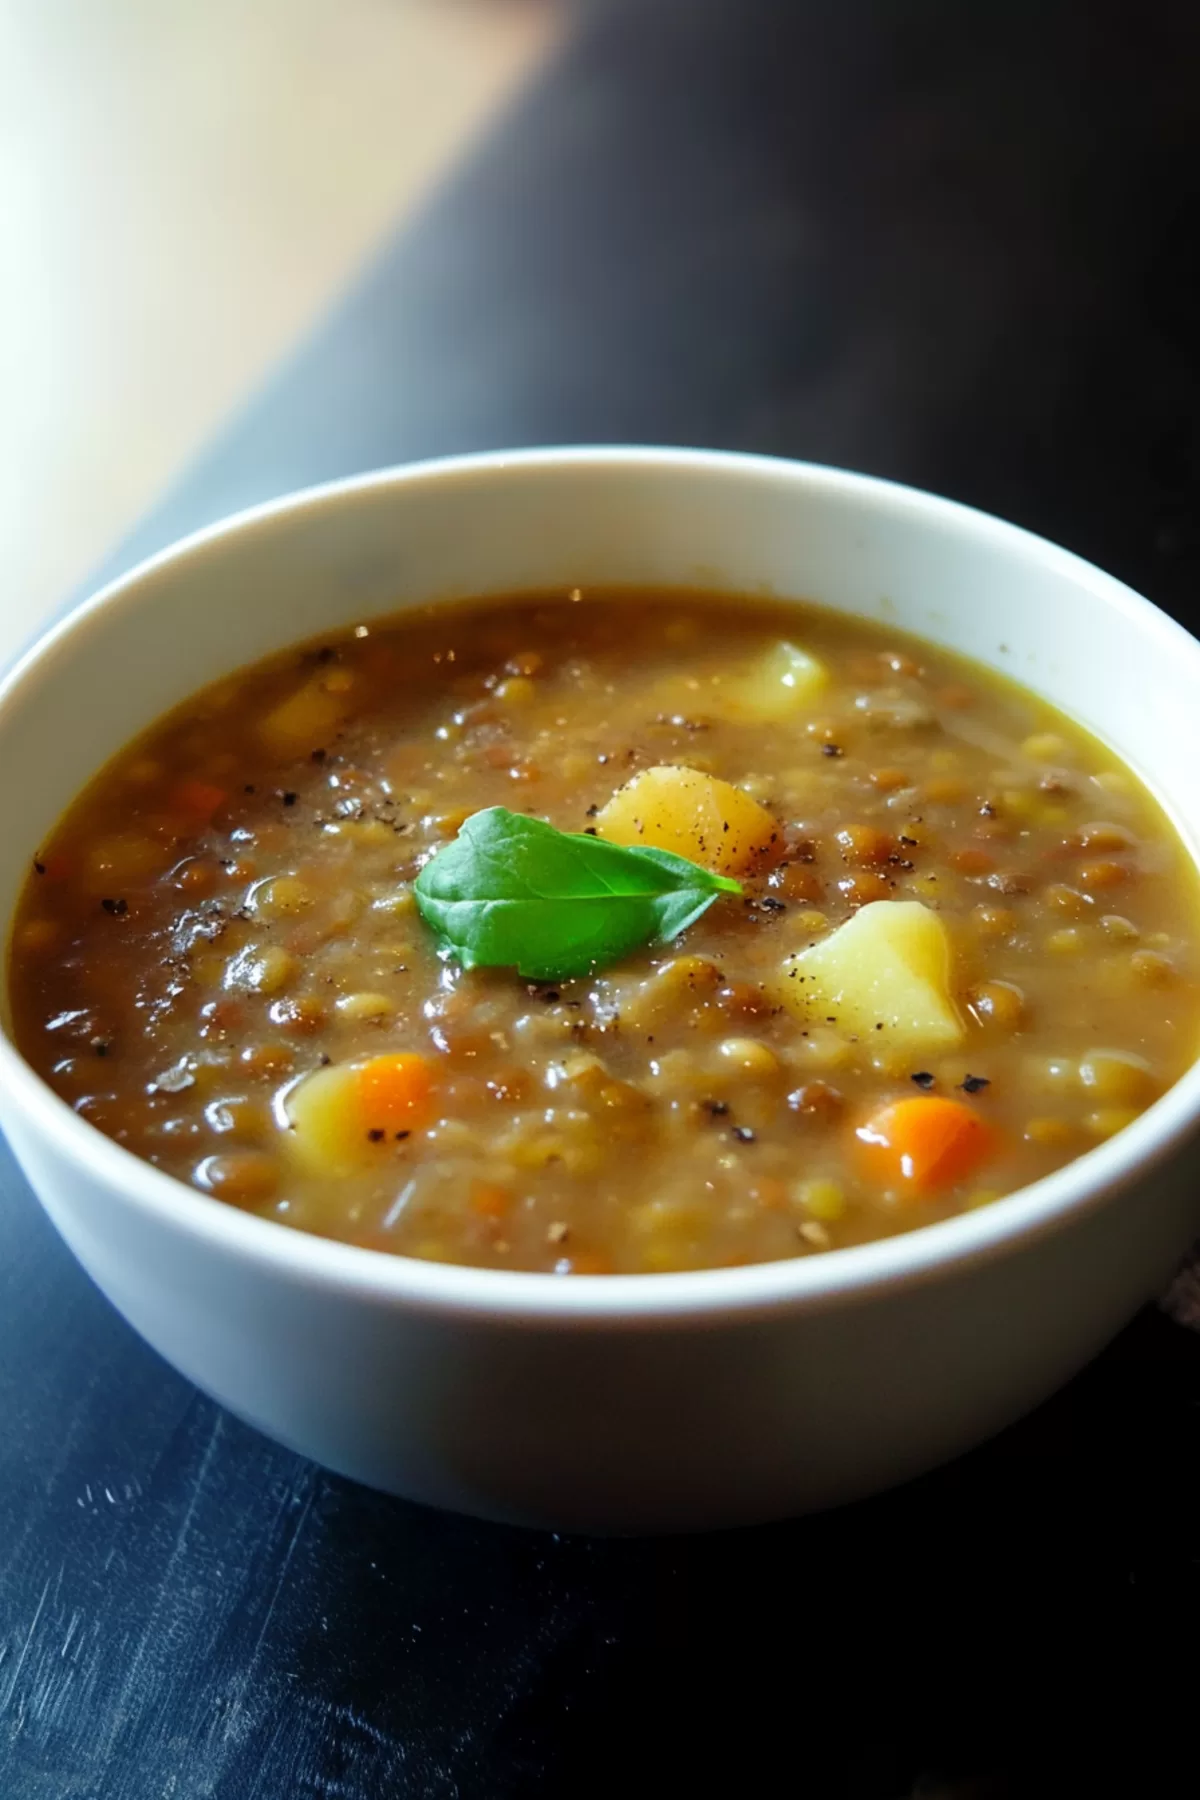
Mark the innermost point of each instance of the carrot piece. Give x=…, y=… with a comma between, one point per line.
x=489, y=1200
x=197, y=800
x=926, y=1143
x=395, y=1092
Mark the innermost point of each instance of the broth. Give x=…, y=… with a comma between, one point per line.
x=219, y=959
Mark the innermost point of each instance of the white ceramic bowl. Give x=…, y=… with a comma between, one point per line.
x=629, y=1402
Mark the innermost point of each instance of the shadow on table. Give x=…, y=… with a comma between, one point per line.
x=1008, y=1626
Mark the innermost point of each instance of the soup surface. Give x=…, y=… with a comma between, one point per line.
x=962, y=953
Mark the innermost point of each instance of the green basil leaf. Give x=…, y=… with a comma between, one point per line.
x=514, y=893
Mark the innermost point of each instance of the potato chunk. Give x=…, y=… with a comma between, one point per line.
x=342, y=1117
x=710, y=822
x=782, y=684
x=885, y=974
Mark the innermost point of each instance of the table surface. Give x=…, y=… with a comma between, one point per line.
x=952, y=244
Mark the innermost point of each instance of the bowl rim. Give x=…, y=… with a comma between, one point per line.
x=618, y=1302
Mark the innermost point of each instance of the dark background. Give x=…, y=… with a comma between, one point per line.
x=949, y=241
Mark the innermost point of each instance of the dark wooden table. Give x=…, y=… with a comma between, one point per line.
x=953, y=243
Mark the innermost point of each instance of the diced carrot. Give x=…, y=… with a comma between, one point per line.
x=395, y=1092
x=925, y=1143
x=197, y=800
x=489, y=1200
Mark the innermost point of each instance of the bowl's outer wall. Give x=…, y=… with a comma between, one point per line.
x=689, y=1426
x=697, y=1422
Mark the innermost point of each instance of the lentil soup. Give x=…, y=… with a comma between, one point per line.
x=961, y=950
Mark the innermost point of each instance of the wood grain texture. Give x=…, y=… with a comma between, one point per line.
x=953, y=244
